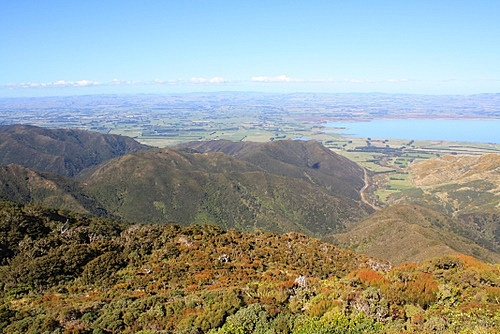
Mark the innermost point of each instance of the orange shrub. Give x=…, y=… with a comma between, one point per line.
x=422, y=289
x=371, y=277
x=470, y=262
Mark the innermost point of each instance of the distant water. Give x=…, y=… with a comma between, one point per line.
x=475, y=131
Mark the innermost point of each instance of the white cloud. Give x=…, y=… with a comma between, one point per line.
x=214, y=80
x=58, y=83
x=205, y=81
x=158, y=82
x=279, y=78
x=118, y=82
x=86, y=83
x=359, y=81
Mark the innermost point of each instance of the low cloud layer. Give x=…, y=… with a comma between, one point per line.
x=219, y=80
x=214, y=80
x=279, y=78
x=59, y=83
x=118, y=82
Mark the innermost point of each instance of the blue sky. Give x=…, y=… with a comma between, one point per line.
x=83, y=47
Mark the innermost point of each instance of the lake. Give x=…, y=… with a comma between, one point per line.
x=476, y=131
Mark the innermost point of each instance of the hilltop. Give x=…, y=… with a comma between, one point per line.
x=456, y=169
x=450, y=206
x=464, y=189
x=454, y=184
x=307, y=160
x=61, y=151
x=461, y=184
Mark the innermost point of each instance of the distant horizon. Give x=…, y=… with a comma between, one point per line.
x=285, y=85
x=219, y=92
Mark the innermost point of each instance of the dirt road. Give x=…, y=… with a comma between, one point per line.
x=363, y=191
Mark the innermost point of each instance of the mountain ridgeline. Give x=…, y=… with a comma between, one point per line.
x=64, y=152
x=280, y=186
x=306, y=160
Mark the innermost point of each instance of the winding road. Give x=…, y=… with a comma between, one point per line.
x=363, y=191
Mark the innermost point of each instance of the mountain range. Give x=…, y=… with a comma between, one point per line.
x=280, y=186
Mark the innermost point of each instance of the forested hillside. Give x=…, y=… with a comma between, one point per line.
x=307, y=160
x=25, y=185
x=167, y=185
x=64, y=152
